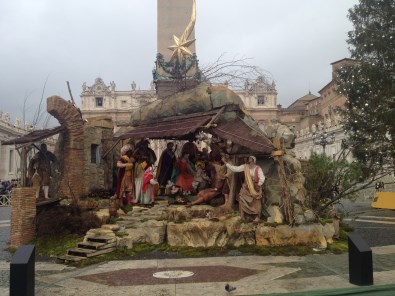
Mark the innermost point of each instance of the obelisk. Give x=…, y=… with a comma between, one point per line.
x=176, y=62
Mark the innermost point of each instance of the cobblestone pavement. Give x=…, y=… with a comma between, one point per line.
x=258, y=274
x=5, y=216
x=5, y=257
x=251, y=275
x=376, y=226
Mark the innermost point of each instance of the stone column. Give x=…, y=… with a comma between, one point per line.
x=23, y=214
x=175, y=17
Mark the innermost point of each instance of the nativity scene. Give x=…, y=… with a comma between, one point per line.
x=220, y=180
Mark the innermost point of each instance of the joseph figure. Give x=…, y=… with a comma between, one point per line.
x=250, y=196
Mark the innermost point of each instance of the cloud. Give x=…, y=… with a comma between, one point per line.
x=78, y=41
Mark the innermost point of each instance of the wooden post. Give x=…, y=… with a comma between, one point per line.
x=286, y=195
x=232, y=187
x=24, y=166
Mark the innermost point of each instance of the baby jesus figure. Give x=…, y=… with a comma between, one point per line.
x=201, y=179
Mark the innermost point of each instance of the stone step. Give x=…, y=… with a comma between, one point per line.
x=130, y=218
x=71, y=258
x=95, y=245
x=89, y=253
x=126, y=223
x=80, y=252
x=101, y=239
x=103, y=251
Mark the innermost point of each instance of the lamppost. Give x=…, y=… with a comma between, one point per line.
x=323, y=139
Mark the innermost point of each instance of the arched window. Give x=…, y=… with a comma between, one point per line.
x=261, y=100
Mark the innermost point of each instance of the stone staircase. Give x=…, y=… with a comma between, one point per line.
x=96, y=242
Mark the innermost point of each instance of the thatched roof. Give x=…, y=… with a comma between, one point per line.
x=243, y=134
x=34, y=136
x=168, y=128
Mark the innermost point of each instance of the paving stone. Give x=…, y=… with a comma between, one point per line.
x=201, y=274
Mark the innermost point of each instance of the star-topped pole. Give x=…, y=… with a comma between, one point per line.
x=180, y=48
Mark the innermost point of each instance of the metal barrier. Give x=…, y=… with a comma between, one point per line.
x=5, y=200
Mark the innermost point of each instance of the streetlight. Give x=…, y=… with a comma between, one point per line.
x=323, y=139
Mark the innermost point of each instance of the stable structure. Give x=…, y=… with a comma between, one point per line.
x=216, y=115
x=209, y=109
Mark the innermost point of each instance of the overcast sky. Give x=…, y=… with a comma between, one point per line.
x=56, y=41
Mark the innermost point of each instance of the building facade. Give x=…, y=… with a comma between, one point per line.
x=306, y=116
x=322, y=116
x=101, y=99
x=260, y=99
x=9, y=157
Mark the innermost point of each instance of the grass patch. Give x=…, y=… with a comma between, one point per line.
x=344, y=230
x=113, y=220
x=277, y=250
x=127, y=208
x=11, y=250
x=56, y=246
x=142, y=250
x=119, y=254
x=270, y=224
x=325, y=221
x=200, y=252
x=338, y=246
x=121, y=234
x=346, y=227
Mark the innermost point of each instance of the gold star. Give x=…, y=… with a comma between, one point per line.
x=180, y=48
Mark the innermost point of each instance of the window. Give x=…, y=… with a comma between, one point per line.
x=95, y=154
x=11, y=162
x=99, y=102
x=123, y=103
x=261, y=100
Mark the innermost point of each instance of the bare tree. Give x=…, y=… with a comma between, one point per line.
x=39, y=112
x=236, y=72
x=233, y=72
x=24, y=108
